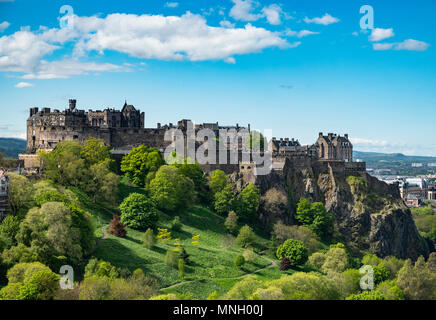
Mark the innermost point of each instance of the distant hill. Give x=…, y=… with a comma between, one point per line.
x=376, y=156
x=11, y=147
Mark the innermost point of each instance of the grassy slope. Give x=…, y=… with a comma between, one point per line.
x=211, y=264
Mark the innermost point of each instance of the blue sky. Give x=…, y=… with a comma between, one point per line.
x=296, y=67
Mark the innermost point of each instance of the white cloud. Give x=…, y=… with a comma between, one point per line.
x=4, y=25
x=412, y=45
x=382, y=46
x=227, y=24
x=409, y=45
x=300, y=34
x=242, y=10
x=379, y=34
x=272, y=14
x=21, y=51
x=171, y=4
x=324, y=20
x=355, y=33
x=24, y=85
x=66, y=68
x=186, y=37
x=174, y=38
x=230, y=60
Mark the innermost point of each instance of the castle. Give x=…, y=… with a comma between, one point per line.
x=123, y=130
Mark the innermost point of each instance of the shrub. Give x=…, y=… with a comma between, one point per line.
x=366, y=295
x=117, y=228
x=283, y=232
x=239, y=260
x=184, y=255
x=246, y=236
x=181, y=267
x=148, y=239
x=172, y=258
x=231, y=222
x=315, y=216
x=176, y=225
x=294, y=250
x=138, y=212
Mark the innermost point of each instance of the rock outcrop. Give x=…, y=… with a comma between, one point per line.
x=370, y=215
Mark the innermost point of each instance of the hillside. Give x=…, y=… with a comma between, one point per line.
x=11, y=147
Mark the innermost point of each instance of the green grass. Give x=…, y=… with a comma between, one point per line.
x=211, y=264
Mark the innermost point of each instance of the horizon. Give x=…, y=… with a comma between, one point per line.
x=295, y=68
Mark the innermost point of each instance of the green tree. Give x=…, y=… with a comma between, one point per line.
x=246, y=236
x=95, y=151
x=103, y=184
x=315, y=216
x=248, y=202
x=148, y=239
x=294, y=250
x=418, y=281
x=239, y=260
x=170, y=189
x=30, y=281
x=224, y=200
x=140, y=164
x=138, y=212
x=20, y=192
x=176, y=224
x=218, y=180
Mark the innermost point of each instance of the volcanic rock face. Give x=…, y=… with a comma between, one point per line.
x=369, y=214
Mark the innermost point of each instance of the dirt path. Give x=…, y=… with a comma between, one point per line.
x=103, y=230
x=273, y=264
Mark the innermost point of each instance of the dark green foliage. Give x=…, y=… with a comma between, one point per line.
x=140, y=164
x=314, y=216
x=224, y=200
x=239, y=260
x=176, y=224
x=184, y=255
x=381, y=273
x=138, y=212
x=248, y=202
x=181, y=268
x=294, y=250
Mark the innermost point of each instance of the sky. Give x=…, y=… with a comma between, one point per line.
x=295, y=67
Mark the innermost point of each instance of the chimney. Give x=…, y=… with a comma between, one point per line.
x=287, y=139
x=346, y=136
x=320, y=134
x=72, y=103
x=293, y=140
x=46, y=110
x=281, y=139
x=274, y=139
x=158, y=125
x=330, y=135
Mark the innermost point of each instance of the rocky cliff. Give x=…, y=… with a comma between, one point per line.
x=369, y=214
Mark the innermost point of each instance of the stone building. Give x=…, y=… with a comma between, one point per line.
x=4, y=197
x=334, y=147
